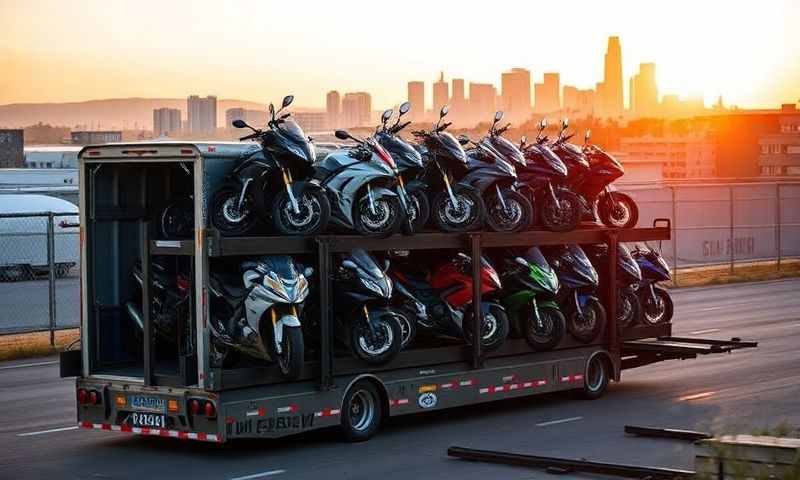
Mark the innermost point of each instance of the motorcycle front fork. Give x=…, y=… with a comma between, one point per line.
x=287, y=181
x=500, y=196
x=536, y=316
x=449, y=189
x=553, y=195
x=241, y=195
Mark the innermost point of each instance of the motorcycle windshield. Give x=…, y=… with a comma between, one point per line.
x=571, y=152
x=449, y=145
x=509, y=151
x=294, y=140
x=404, y=154
x=544, y=155
x=367, y=264
x=282, y=265
x=602, y=158
x=575, y=267
x=627, y=262
x=534, y=255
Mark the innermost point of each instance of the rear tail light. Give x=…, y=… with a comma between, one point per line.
x=94, y=397
x=209, y=410
x=194, y=406
x=199, y=406
x=83, y=396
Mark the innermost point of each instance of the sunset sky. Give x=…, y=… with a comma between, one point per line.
x=52, y=50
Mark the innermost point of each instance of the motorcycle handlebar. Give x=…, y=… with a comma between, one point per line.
x=444, y=126
x=250, y=137
x=398, y=128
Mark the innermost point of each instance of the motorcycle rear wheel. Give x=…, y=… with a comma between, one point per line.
x=176, y=220
x=517, y=215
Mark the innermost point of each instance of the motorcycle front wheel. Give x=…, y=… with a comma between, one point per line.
x=494, y=327
x=465, y=215
x=230, y=218
x=515, y=216
x=380, y=347
x=419, y=209
x=311, y=217
x=547, y=331
x=587, y=324
x=386, y=217
x=290, y=360
x=562, y=217
x=177, y=221
x=618, y=210
x=656, y=310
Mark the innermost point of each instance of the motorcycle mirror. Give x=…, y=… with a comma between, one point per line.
x=386, y=265
x=349, y=264
x=463, y=139
x=498, y=116
x=443, y=111
x=405, y=107
x=271, y=110
x=287, y=100
x=387, y=114
x=342, y=135
x=238, y=123
x=542, y=124
x=564, y=124
x=523, y=140
x=308, y=271
x=587, y=136
x=521, y=261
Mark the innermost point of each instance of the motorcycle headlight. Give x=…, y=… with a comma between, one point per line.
x=275, y=286
x=372, y=285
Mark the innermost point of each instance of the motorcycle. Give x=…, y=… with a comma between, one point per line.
x=268, y=183
x=175, y=221
x=656, y=302
x=441, y=301
x=359, y=182
x=541, y=178
x=585, y=315
x=529, y=289
x=629, y=275
x=491, y=171
x=410, y=164
x=457, y=207
x=261, y=316
x=362, y=295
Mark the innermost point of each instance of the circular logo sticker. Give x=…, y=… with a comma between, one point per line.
x=427, y=400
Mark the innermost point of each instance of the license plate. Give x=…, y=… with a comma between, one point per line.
x=146, y=403
x=152, y=420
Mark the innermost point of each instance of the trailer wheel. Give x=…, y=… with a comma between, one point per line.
x=362, y=412
x=596, y=378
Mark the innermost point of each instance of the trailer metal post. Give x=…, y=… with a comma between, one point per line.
x=612, y=325
x=144, y=232
x=732, y=244
x=325, y=330
x=475, y=247
x=778, y=222
x=51, y=277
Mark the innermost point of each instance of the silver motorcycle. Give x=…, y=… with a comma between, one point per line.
x=261, y=318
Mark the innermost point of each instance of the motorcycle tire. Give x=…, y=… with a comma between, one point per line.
x=227, y=218
x=470, y=216
x=388, y=218
x=422, y=207
x=408, y=326
x=176, y=221
x=586, y=327
x=563, y=218
x=629, y=309
x=658, y=312
x=290, y=360
x=494, y=325
x=315, y=213
x=382, y=349
x=517, y=215
x=550, y=333
x=618, y=210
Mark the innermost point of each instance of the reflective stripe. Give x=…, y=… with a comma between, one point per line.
x=207, y=437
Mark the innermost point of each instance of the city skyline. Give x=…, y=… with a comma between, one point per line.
x=707, y=57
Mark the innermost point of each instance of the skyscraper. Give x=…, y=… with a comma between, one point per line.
x=458, y=101
x=166, y=122
x=515, y=91
x=547, y=94
x=201, y=114
x=441, y=93
x=612, y=98
x=481, y=101
x=254, y=118
x=644, y=91
x=333, y=106
x=416, y=96
x=356, y=109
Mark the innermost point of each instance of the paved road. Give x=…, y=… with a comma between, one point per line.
x=25, y=304
x=745, y=390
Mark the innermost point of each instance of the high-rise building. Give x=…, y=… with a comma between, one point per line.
x=516, y=95
x=599, y=99
x=254, y=118
x=416, y=96
x=441, y=93
x=312, y=122
x=201, y=114
x=333, y=108
x=481, y=101
x=458, y=102
x=644, y=91
x=547, y=94
x=356, y=109
x=577, y=103
x=612, y=98
x=166, y=122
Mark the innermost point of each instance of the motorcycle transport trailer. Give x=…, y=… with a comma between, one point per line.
x=127, y=381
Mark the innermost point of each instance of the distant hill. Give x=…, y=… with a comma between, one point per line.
x=114, y=113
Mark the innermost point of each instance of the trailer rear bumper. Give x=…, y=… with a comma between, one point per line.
x=180, y=435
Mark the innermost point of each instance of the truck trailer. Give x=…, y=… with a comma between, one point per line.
x=126, y=382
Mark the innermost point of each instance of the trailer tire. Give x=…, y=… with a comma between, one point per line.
x=362, y=411
x=596, y=378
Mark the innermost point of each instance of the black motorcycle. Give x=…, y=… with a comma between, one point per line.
x=361, y=304
x=359, y=182
x=656, y=302
x=410, y=164
x=541, y=180
x=270, y=183
x=585, y=315
x=629, y=276
x=491, y=171
x=456, y=207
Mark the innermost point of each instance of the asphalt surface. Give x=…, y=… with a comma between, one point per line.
x=25, y=304
x=743, y=391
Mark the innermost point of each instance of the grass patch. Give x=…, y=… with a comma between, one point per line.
x=37, y=344
x=745, y=272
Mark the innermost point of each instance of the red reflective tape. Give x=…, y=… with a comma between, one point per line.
x=106, y=426
x=230, y=420
x=145, y=431
x=398, y=401
x=164, y=433
x=201, y=436
x=125, y=428
x=183, y=435
x=467, y=383
x=85, y=424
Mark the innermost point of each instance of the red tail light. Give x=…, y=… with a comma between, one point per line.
x=94, y=398
x=209, y=410
x=194, y=406
x=183, y=283
x=82, y=396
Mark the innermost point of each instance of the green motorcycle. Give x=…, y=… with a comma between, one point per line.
x=529, y=289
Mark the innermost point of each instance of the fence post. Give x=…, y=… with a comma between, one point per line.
x=51, y=276
x=674, y=238
x=778, y=222
x=733, y=258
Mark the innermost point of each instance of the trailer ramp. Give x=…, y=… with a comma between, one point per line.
x=637, y=353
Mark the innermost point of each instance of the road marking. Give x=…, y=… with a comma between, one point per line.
x=64, y=429
x=24, y=365
x=556, y=422
x=260, y=475
x=701, y=332
x=696, y=396
x=708, y=309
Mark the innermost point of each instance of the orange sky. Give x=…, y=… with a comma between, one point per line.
x=54, y=50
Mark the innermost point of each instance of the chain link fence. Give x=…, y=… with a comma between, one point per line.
x=39, y=272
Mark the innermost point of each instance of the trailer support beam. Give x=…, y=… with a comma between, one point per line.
x=477, y=337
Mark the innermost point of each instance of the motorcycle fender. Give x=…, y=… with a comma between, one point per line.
x=278, y=326
x=583, y=299
x=382, y=192
x=298, y=187
x=548, y=304
x=485, y=306
x=416, y=185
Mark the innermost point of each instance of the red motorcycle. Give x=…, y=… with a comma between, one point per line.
x=446, y=294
